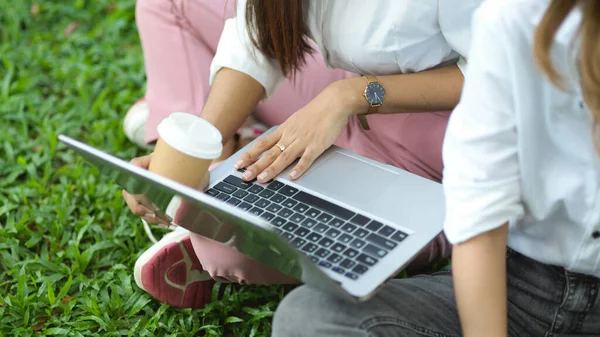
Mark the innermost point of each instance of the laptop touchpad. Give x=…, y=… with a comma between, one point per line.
x=349, y=179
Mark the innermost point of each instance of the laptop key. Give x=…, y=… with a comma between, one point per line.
x=386, y=231
x=309, y=223
x=338, y=247
x=351, y=276
x=234, y=201
x=360, y=269
x=285, y=213
x=313, y=213
x=322, y=253
x=256, y=211
x=302, y=232
x=360, y=220
x=251, y=198
x=345, y=238
x=223, y=196
x=366, y=259
x=289, y=203
x=212, y=192
x=225, y=188
x=381, y=241
x=309, y=247
x=357, y=243
x=334, y=258
x=338, y=270
x=325, y=205
x=333, y=233
x=321, y=228
x=335, y=222
x=326, y=242
x=298, y=218
x=300, y=208
x=262, y=203
x=244, y=206
x=348, y=228
x=351, y=253
x=374, y=225
x=278, y=221
x=255, y=189
x=347, y=263
x=298, y=242
x=325, y=264
x=324, y=218
x=375, y=251
x=361, y=233
x=399, y=236
x=288, y=191
x=237, y=182
x=290, y=227
x=241, y=194
x=274, y=208
x=267, y=216
x=275, y=185
x=278, y=198
x=314, y=237
x=266, y=194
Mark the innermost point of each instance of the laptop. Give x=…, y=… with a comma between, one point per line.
x=346, y=226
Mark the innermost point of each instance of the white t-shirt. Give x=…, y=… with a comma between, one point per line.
x=382, y=37
x=519, y=149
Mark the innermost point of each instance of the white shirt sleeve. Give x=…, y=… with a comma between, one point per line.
x=481, y=173
x=455, y=24
x=235, y=51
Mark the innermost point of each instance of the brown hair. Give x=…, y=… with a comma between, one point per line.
x=589, y=51
x=278, y=29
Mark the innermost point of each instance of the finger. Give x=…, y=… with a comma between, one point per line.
x=308, y=157
x=142, y=162
x=135, y=206
x=262, y=144
x=285, y=158
x=258, y=167
x=153, y=219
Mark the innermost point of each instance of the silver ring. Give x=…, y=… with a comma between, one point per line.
x=281, y=147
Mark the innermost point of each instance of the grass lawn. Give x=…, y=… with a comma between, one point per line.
x=67, y=243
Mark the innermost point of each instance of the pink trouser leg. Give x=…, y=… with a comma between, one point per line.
x=179, y=38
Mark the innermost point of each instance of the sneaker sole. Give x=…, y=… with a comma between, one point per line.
x=172, y=273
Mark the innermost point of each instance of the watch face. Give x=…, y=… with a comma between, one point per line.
x=374, y=93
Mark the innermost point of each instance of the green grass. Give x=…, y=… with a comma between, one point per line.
x=67, y=243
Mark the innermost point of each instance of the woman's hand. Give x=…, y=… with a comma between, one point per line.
x=305, y=135
x=139, y=204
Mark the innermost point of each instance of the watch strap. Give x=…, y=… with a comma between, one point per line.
x=362, y=118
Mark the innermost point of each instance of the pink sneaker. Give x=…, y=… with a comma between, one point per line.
x=170, y=272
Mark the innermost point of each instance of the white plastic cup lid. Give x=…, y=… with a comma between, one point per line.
x=191, y=135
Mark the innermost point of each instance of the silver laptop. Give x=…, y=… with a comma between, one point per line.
x=348, y=225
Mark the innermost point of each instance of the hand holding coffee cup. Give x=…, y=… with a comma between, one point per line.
x=186, y=147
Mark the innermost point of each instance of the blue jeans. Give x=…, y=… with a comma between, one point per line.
x=543, y=300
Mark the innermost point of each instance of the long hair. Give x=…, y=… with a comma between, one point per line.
x=278, y=29
x=589, y=50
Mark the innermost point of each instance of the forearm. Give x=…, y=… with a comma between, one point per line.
x=431, y=90
x=230, y=101
x=479, y=272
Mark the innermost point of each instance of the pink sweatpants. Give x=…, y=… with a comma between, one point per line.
x=179, y=39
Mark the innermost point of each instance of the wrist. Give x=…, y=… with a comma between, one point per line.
x=349, y=93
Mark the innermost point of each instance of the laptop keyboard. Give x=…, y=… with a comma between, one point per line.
x=332, y=236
